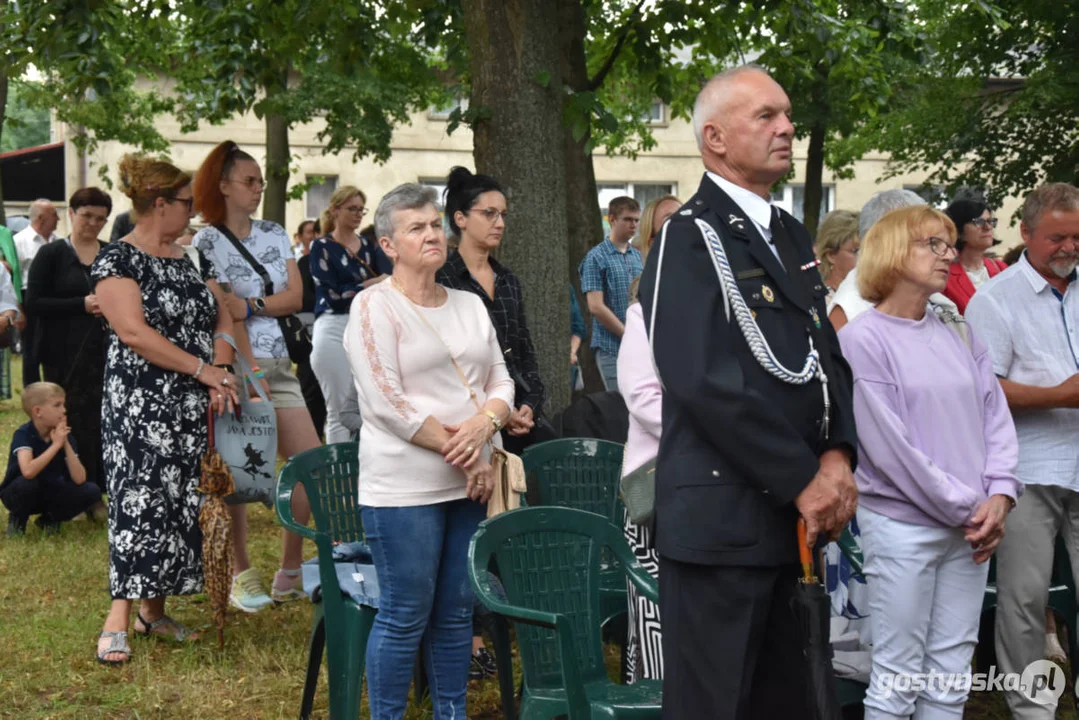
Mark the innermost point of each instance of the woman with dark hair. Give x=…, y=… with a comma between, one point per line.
x=71, y=337
x=974, y=223
x=476, y=208
x=228, y=191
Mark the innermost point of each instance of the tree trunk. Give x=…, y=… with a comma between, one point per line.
x=3, y=116
x=814, y=189
x=277, y=164
x=520, y=143
x=585, y=218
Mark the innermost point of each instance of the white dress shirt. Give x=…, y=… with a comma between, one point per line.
x=27, y=243
x=1030, y=330
x=758, y=209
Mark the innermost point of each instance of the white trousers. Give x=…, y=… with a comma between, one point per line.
x=925, y=600
x=334, y=374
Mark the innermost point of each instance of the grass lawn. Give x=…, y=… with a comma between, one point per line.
x=54, y=596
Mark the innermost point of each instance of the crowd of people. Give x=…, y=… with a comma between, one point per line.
x=893, y=379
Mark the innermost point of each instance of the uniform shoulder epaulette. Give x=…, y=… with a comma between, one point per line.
x=693, y=208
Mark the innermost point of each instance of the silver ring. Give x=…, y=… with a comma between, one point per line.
x=225, y=382
x=469, y=449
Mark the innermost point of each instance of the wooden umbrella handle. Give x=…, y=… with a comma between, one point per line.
x=804, y=555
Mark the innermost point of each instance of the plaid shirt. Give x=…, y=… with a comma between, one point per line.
x=507, y=311
x=606, y=270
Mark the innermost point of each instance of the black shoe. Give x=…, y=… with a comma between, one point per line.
x=482, y=666
x=16, y=526
x=47, y=524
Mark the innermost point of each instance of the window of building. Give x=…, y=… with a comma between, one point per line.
x=657, y=114
x=792, y=199
x=443, y=113
x=643, y=193
x=318, y=194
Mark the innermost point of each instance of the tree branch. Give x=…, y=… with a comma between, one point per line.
x=601, y=74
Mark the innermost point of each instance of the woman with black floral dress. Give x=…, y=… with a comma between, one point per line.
x=160, y=349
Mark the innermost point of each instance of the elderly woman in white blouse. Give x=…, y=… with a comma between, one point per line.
x=434, y=392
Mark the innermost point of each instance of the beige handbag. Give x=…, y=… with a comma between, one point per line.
x=507, y=469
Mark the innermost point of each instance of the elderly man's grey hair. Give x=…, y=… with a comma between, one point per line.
x=713, y=96
x=410, y=196
x=38, y=207
x=883, y=203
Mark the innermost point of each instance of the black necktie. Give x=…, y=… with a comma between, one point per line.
x=790, y=259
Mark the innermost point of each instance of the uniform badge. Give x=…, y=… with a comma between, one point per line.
x=737, y=222
x=816, y=318
x=767, y=293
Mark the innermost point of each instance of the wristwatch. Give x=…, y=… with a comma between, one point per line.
x=494, y=419
x=256, y=304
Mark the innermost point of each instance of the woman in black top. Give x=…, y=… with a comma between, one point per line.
x=476, y=208
x=71, y=335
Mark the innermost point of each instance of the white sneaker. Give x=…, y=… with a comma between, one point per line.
x=247, y=592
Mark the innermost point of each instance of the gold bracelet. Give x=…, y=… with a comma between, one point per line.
x=494, y=419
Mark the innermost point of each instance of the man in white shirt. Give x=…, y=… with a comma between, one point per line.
x=43, y=220
x=1028, y=317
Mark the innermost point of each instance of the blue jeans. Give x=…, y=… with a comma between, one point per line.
x=608, y=368
x=421, y=557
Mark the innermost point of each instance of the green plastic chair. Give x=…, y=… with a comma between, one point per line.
x=330, y=475
x=550, y=561
x=583, y=474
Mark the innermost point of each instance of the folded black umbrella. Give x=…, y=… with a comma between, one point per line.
x=812, y=611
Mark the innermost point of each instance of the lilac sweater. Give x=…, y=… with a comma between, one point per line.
x=935, y=436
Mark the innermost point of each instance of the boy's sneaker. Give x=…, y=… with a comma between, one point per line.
x=47, y=524
x=287, y=585
x=482, y=665
x=16, y=526
x=247, y=592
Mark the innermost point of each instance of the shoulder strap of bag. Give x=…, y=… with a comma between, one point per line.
x=193, y=255
x=255, y=264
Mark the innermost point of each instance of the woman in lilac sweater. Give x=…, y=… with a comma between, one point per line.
x=937, y=453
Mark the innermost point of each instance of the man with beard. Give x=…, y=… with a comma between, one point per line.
x=1028, y=316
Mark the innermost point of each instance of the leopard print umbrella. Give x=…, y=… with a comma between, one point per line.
x=214, y=520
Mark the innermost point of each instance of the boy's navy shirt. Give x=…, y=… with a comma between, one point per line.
x=27, y=437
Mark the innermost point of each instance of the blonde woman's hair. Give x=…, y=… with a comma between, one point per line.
x=37, y=394
x=644, y=231
x=886, y=248
x=836, y=229
x=340, y=196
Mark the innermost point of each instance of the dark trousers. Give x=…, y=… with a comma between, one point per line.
x=31, y=371
x=56, y=498
x=731, y=644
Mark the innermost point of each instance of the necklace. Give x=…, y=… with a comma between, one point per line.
x=401, y=289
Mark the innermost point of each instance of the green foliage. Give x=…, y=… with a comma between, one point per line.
x=24, y=126
x=360, y=68
x=996, y=105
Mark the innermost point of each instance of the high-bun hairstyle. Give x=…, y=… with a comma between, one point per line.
x=462, y=189
x=144, y=179
x=209, y=202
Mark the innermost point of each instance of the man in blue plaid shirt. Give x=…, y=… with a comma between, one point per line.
x=606, y=273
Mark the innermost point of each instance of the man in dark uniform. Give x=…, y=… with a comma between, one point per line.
x=754, y=434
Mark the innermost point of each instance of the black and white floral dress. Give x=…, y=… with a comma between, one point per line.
x=154, y=429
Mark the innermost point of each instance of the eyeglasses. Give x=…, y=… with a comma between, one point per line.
x=356, y=210
x=983, y=223
x=93, y=218
x=251, y=182
x=188, y=201
x=939, y=246
x=491, y=213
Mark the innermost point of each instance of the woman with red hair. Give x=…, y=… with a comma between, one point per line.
x=228, y=190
